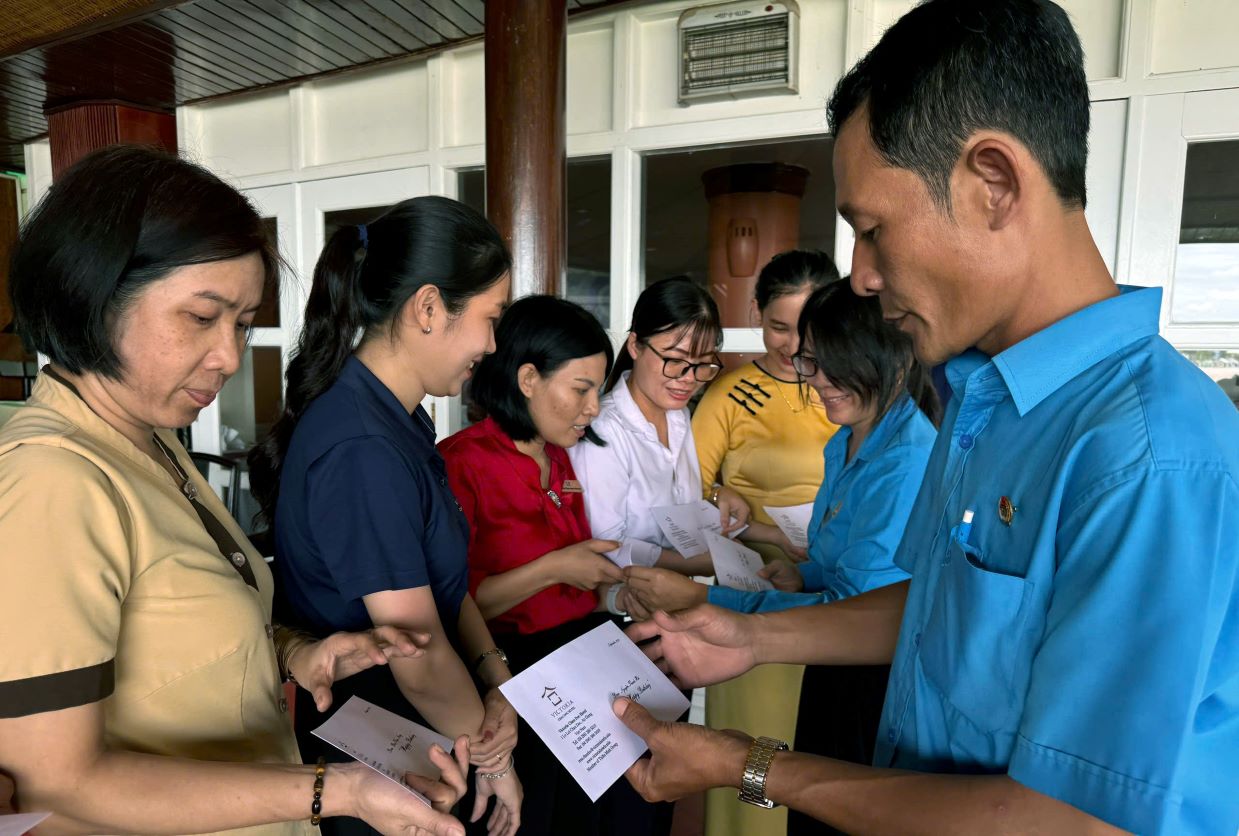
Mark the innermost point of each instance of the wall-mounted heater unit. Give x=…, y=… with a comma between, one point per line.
x=738, y=49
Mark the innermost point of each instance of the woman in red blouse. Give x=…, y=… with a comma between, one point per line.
x=538, y=576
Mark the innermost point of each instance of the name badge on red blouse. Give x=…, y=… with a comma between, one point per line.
x=573, y=486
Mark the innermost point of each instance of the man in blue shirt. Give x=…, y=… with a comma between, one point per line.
x=1065, y=656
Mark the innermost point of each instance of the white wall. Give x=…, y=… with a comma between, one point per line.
x=428, y=115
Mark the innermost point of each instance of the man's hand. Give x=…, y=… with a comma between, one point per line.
x=783, y=574
x=685, y=758
x=316, y=665
x=662, y=589
x=701, y=646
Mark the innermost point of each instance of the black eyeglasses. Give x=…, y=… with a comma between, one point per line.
x=675, y=368
x=805, y=365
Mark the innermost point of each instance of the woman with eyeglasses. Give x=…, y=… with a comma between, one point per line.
x=645, y=455
x=863, y=370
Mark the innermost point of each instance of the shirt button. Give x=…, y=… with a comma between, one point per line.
x=283, y=705
x=442, y=482
x=890, y=736
x=916, y=640
x=965, y=442
x=270, y=631
x=237, y=559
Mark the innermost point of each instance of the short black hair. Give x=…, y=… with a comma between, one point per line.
x=791, y=272
x=117, y=220
x=859, y=351
x=949, y=68
x=543, y=330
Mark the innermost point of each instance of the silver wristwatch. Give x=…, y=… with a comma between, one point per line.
x=756, y=767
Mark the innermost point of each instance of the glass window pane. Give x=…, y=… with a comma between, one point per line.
x=588, y=274
x=1206, y=279
x=587, y=279
x=471, y=188
x=718, y=215
x=268, y=315
x=251, y=399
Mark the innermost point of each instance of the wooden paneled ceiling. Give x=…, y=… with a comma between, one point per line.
x=166, y=54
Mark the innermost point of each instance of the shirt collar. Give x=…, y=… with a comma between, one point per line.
x=490, y=428
x=1038, y=366
x=878, y=437
x=356, y=375
x=635, y=418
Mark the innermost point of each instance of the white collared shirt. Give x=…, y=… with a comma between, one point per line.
x=635, y=472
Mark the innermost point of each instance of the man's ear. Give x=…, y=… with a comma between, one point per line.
x=995, y=169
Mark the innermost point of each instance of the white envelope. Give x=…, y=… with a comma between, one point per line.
x=16, y=824
x=566, y=699
x=385, y=742
x=683, y=525
x=794, y=521
x=735, y=565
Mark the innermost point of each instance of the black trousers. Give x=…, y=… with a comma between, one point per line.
x=840, y=708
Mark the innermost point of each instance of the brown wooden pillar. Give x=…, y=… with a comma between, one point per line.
x=77, y=129
x=526, y=54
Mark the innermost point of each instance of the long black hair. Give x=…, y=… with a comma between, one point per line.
x=674, y=304
x=861, y=352
x=791, y=272
x=363, y=278
x=543, y=330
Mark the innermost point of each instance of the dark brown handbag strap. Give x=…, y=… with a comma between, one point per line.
x=224, y=541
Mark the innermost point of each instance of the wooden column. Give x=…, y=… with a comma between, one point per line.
x=526, y=50
x=77, y=129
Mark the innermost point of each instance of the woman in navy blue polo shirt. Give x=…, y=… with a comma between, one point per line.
x=367, y=531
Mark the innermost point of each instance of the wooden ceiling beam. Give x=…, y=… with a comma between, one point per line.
x=27, y=24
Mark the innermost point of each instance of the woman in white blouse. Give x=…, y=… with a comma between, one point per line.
x=642, y=453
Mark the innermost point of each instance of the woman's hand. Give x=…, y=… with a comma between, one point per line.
x=453, y=776
x=497, y=737
x=662, y=589
x=629, y=603
x=508, y=793
x=316, y=665
x=796, y=553
x=582, y=565
x=783, y=574
x=389, y=809
x=733, y=510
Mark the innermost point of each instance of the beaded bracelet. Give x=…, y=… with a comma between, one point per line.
x=316, y=806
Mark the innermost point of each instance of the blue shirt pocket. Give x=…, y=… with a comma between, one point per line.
x=975, y=650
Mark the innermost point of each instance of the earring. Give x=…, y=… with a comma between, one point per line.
x=426, y=330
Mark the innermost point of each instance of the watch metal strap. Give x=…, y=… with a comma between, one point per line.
x=756, y=768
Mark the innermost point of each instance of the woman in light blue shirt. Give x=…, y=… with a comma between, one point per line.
x=864, y=371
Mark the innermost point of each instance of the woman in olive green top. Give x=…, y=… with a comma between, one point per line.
x=140, y=686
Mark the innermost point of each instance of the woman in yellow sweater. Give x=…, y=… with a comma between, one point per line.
x=761, y=433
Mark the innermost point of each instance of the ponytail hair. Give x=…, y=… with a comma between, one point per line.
x=362, y=280
x=674, y=304
x=858, y=350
